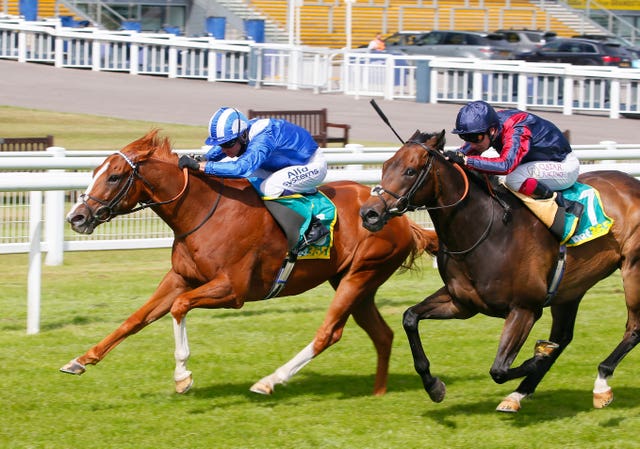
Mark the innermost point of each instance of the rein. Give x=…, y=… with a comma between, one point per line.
x=106, y=211
x=403, y=202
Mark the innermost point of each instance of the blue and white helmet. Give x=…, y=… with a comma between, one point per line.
x=225, y=125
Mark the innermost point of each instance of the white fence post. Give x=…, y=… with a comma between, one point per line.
x=34, y=277
x=54, y=218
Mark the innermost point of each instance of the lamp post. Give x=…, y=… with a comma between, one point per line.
x=347, y=25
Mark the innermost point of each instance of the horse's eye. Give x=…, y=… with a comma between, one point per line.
x=113, y=179
x=410, y=172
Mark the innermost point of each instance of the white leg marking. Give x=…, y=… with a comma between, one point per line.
x=285, y=372
x=182, y=350
x=600, y=385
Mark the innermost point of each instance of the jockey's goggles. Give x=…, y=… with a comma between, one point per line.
x=472, y=137
x=229, y=143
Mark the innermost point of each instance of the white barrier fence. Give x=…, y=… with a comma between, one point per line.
x=567, y=88
x=354, y=162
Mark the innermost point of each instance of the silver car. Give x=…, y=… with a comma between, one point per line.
x=461, y=44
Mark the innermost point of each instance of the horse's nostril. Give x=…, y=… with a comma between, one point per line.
x=76, y=219
x=371, y=215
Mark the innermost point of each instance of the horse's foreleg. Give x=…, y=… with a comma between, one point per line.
x=564, y=317
x=156, y=307
x=440, y=305
x=181, y=375
x=216, y=293
x=516, y=329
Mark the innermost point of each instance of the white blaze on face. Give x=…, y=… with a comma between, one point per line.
x=99, y=173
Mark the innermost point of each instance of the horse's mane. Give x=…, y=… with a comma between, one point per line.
x=438, y=144
x=151, y=145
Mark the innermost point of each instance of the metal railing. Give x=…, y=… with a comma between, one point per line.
x=570, y=89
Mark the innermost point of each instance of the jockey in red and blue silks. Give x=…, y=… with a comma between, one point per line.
x=532, y=152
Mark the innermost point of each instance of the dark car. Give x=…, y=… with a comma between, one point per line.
x=610, y=38
x=580, y=52
x=461, y=44
x=526, y=40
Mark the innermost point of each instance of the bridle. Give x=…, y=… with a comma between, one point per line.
x=106, y=211
x=403, y=202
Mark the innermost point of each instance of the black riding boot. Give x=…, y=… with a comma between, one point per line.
x=316, y=231
x=542, y=191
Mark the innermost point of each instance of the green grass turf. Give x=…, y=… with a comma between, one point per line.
x=127, y=400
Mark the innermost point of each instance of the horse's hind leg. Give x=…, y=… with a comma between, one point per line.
x=564, y=317
x=602, y=393
x=344, y=303
x=329, y=333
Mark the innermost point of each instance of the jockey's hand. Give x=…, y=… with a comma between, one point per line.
x=456, y=156
x=189, y=162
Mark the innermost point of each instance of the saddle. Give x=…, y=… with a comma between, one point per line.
x=565, y=214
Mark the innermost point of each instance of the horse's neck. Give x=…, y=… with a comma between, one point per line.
x=460, y=219
x=206, y=200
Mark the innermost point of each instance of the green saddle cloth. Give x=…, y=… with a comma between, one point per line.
x=307, y=206
x=594, y=221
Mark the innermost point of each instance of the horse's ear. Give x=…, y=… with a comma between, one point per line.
x=440, y=141
x=415, y=135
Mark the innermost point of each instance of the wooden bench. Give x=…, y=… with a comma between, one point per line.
x=315, y=121
x=25, y=143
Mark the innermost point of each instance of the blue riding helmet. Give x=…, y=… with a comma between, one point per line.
x=476, y=117
x=225, y=125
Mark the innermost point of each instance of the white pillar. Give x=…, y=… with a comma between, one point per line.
x=35, y=266
x=54, y=218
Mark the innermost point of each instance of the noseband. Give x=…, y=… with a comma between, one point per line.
x=106, y=211
x=404, y=201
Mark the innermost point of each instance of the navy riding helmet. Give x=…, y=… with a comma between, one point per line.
x=476, y=117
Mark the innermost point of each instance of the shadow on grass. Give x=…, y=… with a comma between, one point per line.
x=544, y=406
x=336, y=386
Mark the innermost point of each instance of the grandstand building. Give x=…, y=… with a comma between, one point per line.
x=333, y=23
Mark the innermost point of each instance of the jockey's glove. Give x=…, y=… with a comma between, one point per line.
x=456, y=156
x=189, y=162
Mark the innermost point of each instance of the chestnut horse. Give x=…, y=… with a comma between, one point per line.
x=228, y=249
x=496, y=258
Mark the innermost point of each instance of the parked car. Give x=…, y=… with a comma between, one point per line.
x=462, y=44
x=610, y=38
x=400, y=39
x=526, y=40
x=580, y=52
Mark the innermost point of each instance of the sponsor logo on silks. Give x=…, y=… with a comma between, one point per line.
x=298, y=175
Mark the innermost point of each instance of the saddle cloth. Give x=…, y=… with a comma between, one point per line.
x=293, y=213
x=594, y=222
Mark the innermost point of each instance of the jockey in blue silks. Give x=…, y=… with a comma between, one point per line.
x=532, y=152
x=282, y=157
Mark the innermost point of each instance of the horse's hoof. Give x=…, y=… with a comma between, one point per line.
x=601, y=400
x=437, y=391
x=508, y=405
x=261, y=388
x=73, y=367
x=184, y=385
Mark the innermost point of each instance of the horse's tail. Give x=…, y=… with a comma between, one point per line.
x=424, y=240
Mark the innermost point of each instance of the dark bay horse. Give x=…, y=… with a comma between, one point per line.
x=496, y=258
x=228, y=250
